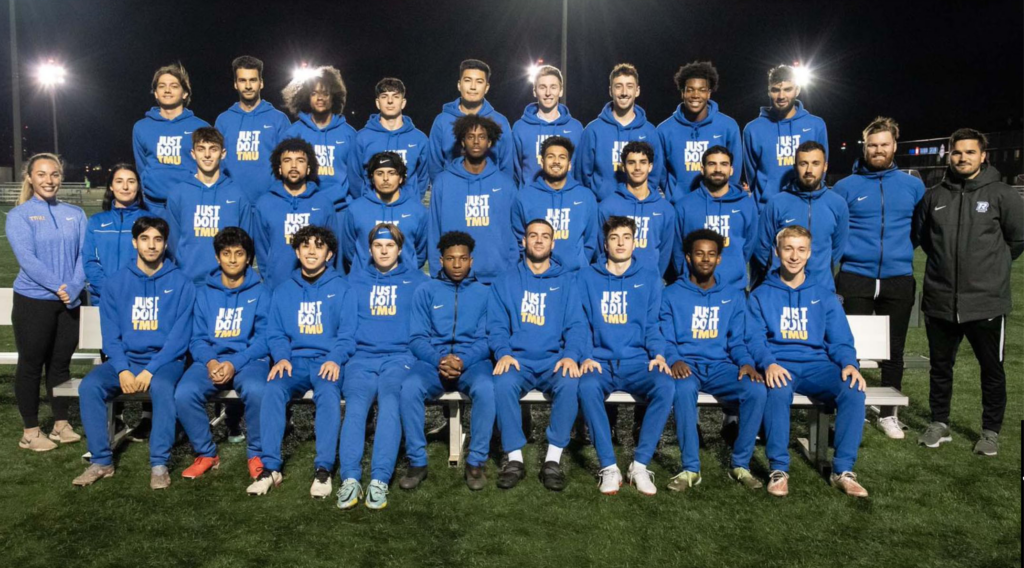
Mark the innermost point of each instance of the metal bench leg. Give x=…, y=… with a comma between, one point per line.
x=823, y=421
x=456, y=438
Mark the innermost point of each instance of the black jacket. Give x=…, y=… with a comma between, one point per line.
x=971, y=231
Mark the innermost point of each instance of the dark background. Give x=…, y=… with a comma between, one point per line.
x=934, y=66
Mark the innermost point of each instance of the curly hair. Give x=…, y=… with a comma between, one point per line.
x=703, y=235
x=319, y=235
x=636, y=147
x=296, y=94
x=560, y=141
x=455, y=239
x=295, y=144
x=235, y=237
x=465, y=124
x=697, y=70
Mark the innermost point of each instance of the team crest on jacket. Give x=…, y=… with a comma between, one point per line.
x=793, y=324
x=718, y=224
x=146, y=313
x=229, y=322
x=533, y=306
x=168, y=150
x=247, y=147
x=692, y=154
x=785, y=149
x=981, y=207
x=310, y=318
x=613, y=307
x=478, y=210
x=383, y=300
x=206, y=221
x=704, y=322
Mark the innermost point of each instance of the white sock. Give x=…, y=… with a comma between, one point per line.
x=637, y=465
x=554, y=454
x=515, y=456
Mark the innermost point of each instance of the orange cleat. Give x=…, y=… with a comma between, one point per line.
x=200, y=466
x=255, y=467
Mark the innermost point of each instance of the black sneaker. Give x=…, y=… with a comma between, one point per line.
x=552, y=476
x=140, y=433
x=475, y=478
x=511, y=474
x=413, y=477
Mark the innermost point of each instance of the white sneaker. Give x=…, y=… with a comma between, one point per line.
x=321, y=488
x=892, y=427
x=266, y=481
x=643, y=479
x=609, y=480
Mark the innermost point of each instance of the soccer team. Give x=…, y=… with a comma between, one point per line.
x=277, y=258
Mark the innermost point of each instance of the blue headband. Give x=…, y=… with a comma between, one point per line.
x=383, y=233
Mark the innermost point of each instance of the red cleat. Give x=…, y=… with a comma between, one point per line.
x=255, y=467
x=200, y=466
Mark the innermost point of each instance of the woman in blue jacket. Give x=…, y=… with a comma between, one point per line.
x=47, y=236
x=108, y=236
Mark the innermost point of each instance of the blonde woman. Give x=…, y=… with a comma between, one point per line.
x=47, y=236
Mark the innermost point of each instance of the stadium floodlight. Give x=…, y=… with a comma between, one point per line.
x=533, y=70
x=304, y=73
x=801, y=75
x=51, y=74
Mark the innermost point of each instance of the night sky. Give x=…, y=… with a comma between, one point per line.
x=933, y=66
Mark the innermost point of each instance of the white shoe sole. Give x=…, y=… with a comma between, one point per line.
x=941, y=441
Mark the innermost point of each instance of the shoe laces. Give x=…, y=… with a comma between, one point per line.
x=322, y=475
x=778, y=475
x=848, y=475
x=377, y=490
x=608, y=473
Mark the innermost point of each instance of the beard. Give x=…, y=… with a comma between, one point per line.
x=555, y=177
x=533, y=258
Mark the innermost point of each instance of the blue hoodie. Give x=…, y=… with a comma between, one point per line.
x=704, y=327
x=449, y=318
x=47, y=238
x=230, y=324
x=734, y=216
x=314, y=321
x=250, y=138
x=385, y=306
x=530, y=131
x=823, y=212
x=163, y=152
x=572, y=211
x=444, y=149
x=146, y=320
x=196, y=213
x=685, y=142
x=408, y=142
x=536, y=318
x=802, y=325
x=108, y=245
x=598, y=158
x=332, y=144
x=881, y=207
x=478, y=204
x=655, y=225
x=622, y=312
x=769, y=148
x=364, y=213
x=278, y=216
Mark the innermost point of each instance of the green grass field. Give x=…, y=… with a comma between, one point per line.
x=942, y=507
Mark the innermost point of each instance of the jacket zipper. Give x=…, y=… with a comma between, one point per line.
x=956, y=263
x=881, y=241
x=455, y=319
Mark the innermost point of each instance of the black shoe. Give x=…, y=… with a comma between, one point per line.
x=140, y=433
x=475, y=478
x=730, y=431
x=413, y=477
x=511, y=474
x=552, y=476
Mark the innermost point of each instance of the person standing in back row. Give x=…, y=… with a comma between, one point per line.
x=971, y=226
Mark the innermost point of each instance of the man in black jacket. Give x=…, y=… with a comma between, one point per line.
x=971, y=226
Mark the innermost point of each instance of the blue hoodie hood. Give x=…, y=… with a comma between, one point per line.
x=443, y=148
x=450, y=318
x=704, y=327
x=769, y=146
x=407, y=141
x=655, y=225
x=196, y=213
x=881, y=207
x=623, y=312
x=596, y=158
x=734, y=216
x=279, y=215
x=313, y=320
x=364, y=213
x=108, y=245
x=536, y=318
x=685, y=142
x=530, y=131
x=384, y=303
x=478, y=204
x=163, y=152
x=147, y=320
x=250, y=139
x=230, y=323
x=572, y=211
x=333, y=144
x=802, y=325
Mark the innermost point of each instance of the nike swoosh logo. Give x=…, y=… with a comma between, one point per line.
x=567, y=132
x=735, y=210
x=553, y=289
x=69, y=218
x=789, y=220
x=641, y=137
x=107, y=224
x=229, y=202
x=438, y=307
x=187, y=132
x=577, y=203
x=168, y=291
x=267, y=126
x=340, y=142
x=726, y=301
x=637, y=285
x=412, y=145
x=495, y=190
x=940, y=207
x=815, y=301
x=717, y=136
x=315, y=209
x=406, y=281
x=331, y=295
x=253, y=300
x=656, y=214
x=406, y=215
x=862, y=198
x=807, y=129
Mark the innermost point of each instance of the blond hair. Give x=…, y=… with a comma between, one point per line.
x=882, y=124
x=792, y=231
x=26, y=173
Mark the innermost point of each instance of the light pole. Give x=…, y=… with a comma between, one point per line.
x=15, y=97
x=565, y=45
x=50, y=75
